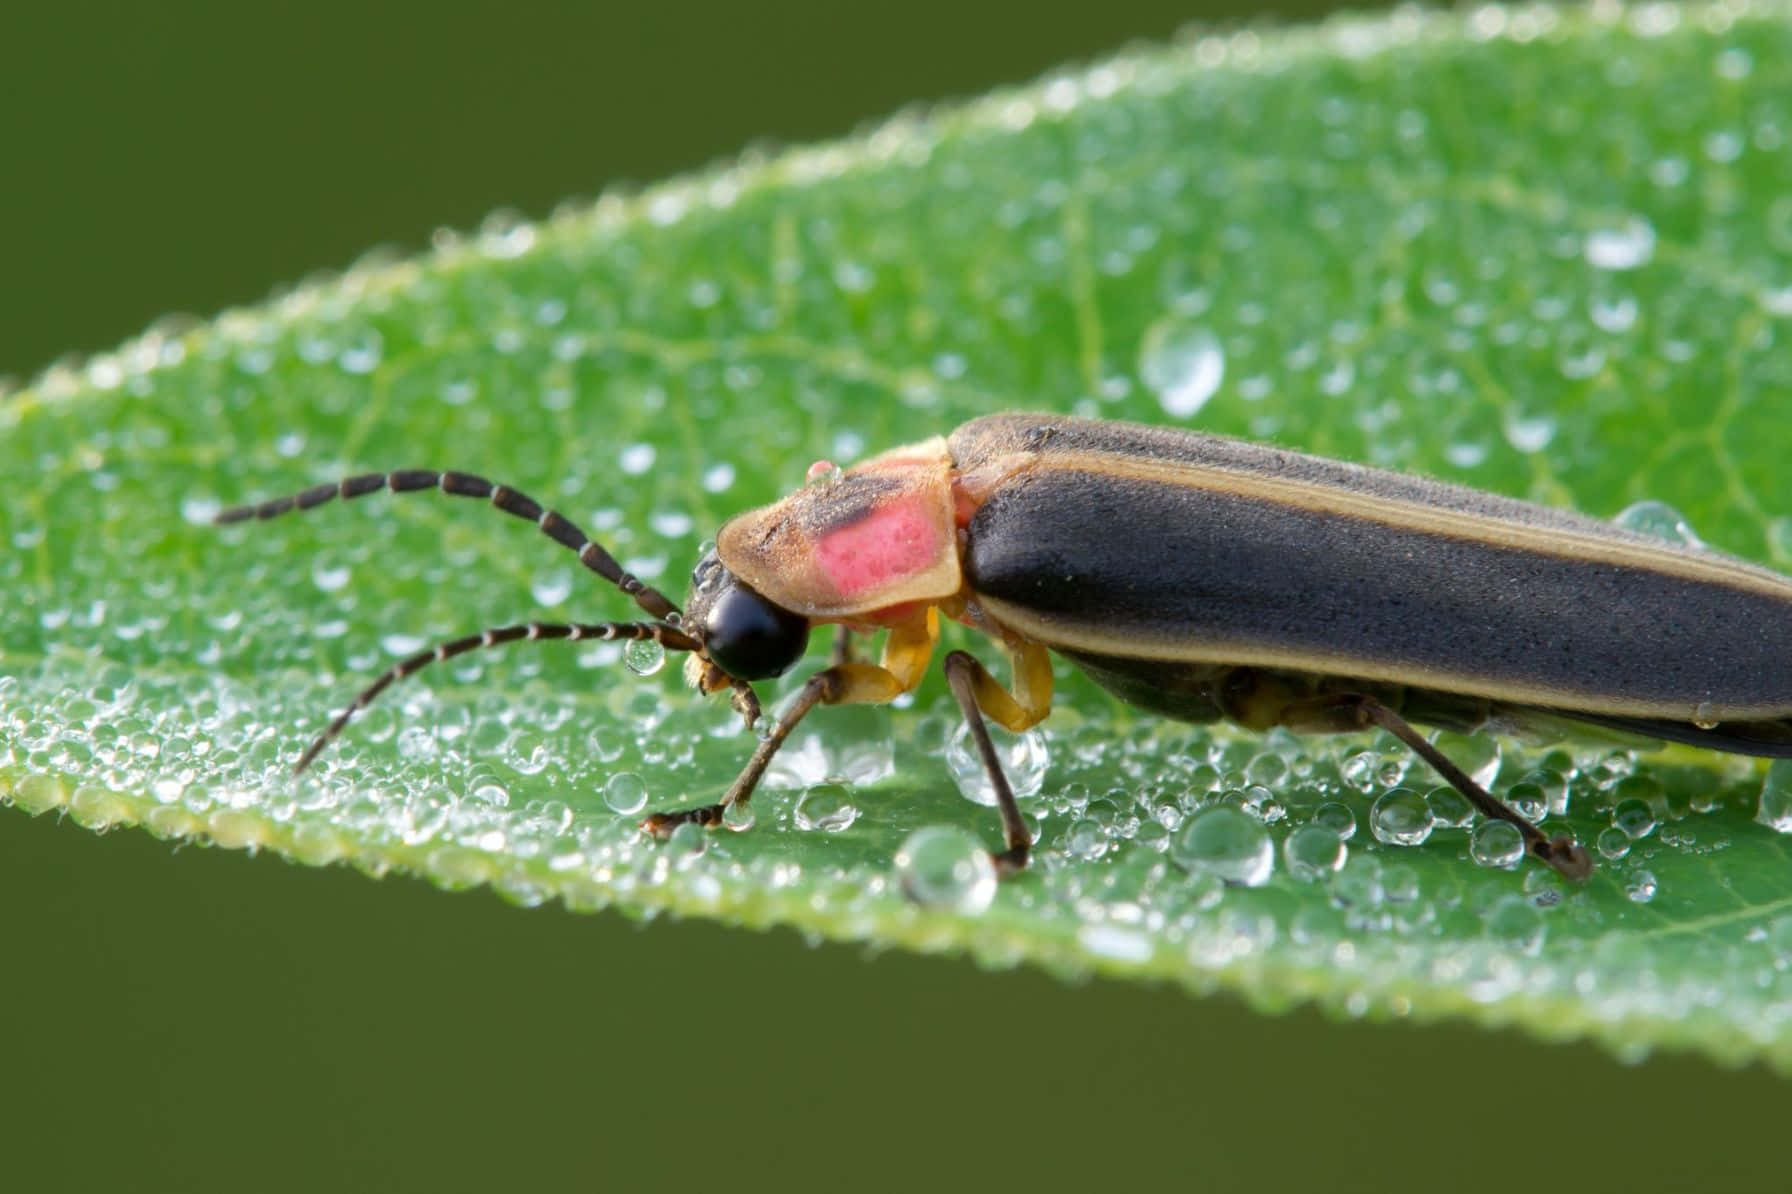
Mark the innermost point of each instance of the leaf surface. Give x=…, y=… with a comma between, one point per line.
x=1542, y=252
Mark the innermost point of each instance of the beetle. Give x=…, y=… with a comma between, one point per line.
x=1202, y=578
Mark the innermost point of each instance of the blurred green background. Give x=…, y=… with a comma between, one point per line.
x=196, y=1020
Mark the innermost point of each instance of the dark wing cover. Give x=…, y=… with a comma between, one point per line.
x=1112, y=564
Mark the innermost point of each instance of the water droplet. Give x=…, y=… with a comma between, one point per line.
x=718, y=477
x=824, y=472
x=1628, y=245
x=643, y=656
x=637, y=459
x=1086, y=840
x=551, y=588
x=199, y=511
x=853, y=277
x=944, y=867
x=1528, y=801
x=401, y=644
x=827, y=807
x=625, y=793
x=1614, y=315
x=1450, y=809
x=1612, y=843
x=1775, y=808
x=1024, y=759
x=1227, y=843
x=1497, y=844
x=1528, y=433
x=1400, y=818
x=362, y=352
x=1478, y=754
x=688, y=840
x=1313, y=852
x=1658, y=520
x=1336, y=817
x=1634, y=817
x=1183, y=364
x=1518, y=924
x=1640, y=887
x=328, y=577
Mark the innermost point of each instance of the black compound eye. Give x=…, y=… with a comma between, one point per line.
x=750, y=638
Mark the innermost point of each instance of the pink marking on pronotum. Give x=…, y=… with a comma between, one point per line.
x=896, y=539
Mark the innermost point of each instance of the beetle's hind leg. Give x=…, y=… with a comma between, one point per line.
x=1567, y=856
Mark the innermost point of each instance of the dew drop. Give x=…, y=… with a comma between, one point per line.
x=718, y=477
x=1183, y=365
x=625, y=793
x=1086, y=840
x=1497, y=844
x=1612, y=843
x=1775, y=808
x=1337, y=817
x=1024, y=759
x=1478, y=754
x=1529, y=433
x=1634, y=818
x=637, y=459
x=827, y=807
x=1450, y=809
x=1517, y=923
x=944, y=867
x=1528, y=801
x=1401, y=818
x=1313, y=851
x=1641, y=887
x=1628, y=245
x=198, y=511
x=551, y=588
x=362, y=352
x=1227, y=843
x=1658, y=520
x=643, y=656
x=1614, y=315
x=329, y=577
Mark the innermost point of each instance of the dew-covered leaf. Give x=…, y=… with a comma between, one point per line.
x=1547, y=253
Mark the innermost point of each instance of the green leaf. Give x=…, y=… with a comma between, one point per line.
x=1543, y=252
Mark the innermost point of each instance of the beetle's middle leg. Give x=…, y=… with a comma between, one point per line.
x=845, y=682
x=979, y=693
x=1567, y=856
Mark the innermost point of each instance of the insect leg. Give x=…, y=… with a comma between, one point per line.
x=966, y=677
x=667, y=636
x=1567, y=856
x=905, y=657
x=842, y=652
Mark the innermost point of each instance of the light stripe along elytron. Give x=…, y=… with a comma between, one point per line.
x=1201, y=578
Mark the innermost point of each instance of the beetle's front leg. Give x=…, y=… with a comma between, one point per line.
x=978, y=693
x=905, y=657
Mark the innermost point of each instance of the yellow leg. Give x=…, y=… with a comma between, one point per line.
x=1031, y=699
x=906, y=654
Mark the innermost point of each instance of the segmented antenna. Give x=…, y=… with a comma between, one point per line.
x=666, y=636
x=552, y=523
